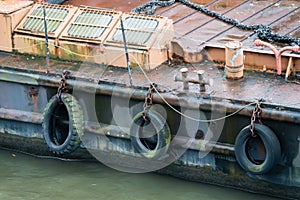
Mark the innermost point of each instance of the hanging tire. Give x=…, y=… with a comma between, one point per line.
x=63, y=124
x=152, y=137
x=257, y=155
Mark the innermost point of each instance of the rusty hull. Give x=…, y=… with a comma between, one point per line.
x=23, y=79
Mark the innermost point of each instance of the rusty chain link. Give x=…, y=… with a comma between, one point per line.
x=62, y=84
x=256, y=117
x=148, y=100
x=150, y=7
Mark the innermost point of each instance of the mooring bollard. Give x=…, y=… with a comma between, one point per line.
x=183, y=77
x=234, y=57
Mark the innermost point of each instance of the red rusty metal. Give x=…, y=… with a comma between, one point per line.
x=277, y=53
x=33, y=94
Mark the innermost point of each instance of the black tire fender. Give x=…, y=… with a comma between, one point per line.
x=162, y=136
x=63, y=124
x=271, y=145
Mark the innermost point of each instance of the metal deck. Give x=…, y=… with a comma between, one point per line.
x=254, y=85
x=199, y=29
x=195, y=31
x=282, y=15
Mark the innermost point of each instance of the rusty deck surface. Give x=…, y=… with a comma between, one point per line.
x=194, y=29
x=198, y=29
x=254, y=85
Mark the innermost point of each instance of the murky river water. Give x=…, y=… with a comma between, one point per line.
x=26, y=177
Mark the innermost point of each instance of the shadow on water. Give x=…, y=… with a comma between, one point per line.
x=26, y=177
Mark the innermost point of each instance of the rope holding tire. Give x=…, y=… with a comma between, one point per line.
x=154, y=144
x=266, y=141
x=63, y=124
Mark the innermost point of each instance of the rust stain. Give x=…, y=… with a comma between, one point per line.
x=33, y=94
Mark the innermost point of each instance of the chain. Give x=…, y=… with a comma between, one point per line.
x=256, y=116
x=263, y=32
x=150, y=7
x=148, y=100
x=62, y=84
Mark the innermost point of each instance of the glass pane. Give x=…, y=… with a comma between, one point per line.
x=54, y=16
x=90, y=25
x=137, y=30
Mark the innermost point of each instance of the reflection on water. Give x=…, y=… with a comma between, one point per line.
x=26, y=177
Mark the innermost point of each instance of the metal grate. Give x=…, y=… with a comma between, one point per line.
x=57, y=17
x=90, y=25
x=54, y=16
x=137, y=30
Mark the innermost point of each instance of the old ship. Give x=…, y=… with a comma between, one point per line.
x=203, y=90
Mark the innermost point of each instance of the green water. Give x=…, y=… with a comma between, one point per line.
x=26, y=177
